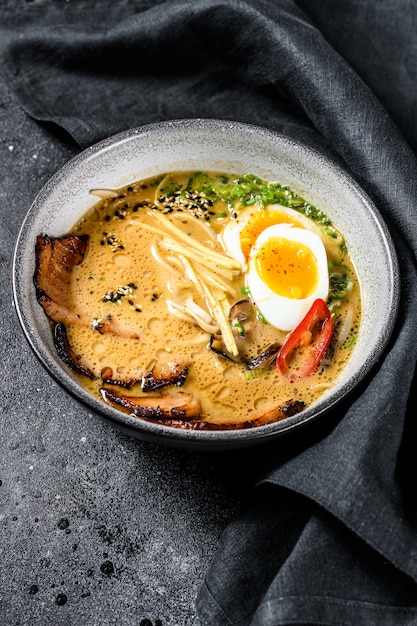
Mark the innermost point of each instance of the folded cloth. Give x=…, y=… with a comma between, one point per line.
x=331, y=534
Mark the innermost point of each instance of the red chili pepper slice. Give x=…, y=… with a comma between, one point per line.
x=310, y=338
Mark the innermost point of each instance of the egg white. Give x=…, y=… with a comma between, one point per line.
x=280, y=311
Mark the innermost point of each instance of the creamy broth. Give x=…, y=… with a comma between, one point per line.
x=137, y=273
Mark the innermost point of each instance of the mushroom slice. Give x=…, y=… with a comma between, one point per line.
x=218, y=346
x=241, y=318
x=66, y=353
x=179, y=406
x=241, y=310
x=265, y=358
x=172, y=372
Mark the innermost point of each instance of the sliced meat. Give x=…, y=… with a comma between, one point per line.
x=66, y=353
x=277, y=414
x=218, y=346
x=241, y=310
x=172, y=372
x=55, y=260
x=288, y=409
x=113, y=326
x=181, y=410
x=266, y=357
x=181, y=406
x=108, y=378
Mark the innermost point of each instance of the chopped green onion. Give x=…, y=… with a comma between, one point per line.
x=339, y=282
x=255, y=373
x=239, y=327
x=352, y=342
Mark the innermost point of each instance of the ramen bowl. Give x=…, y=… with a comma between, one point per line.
x=222, y=146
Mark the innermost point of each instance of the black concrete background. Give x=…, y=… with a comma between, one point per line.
x=96, y=528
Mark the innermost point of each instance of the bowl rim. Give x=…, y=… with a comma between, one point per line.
x=166, y=435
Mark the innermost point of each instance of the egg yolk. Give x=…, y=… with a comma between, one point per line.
x=289, y=268
x=258, y=222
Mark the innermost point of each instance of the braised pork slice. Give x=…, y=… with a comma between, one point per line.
x=182, y=410
x=173, y=371
x=56, y=258
x=180, y=405
x=108, y=377
x=66, y=353
x=289, y=408
x=164, y=373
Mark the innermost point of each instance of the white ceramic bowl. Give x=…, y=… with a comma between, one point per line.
x=229, y=147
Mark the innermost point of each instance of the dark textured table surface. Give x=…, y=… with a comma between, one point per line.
x=95, y=527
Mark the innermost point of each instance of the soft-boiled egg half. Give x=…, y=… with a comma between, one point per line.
x=287, y=273
x=241, y=233
x=284, y=260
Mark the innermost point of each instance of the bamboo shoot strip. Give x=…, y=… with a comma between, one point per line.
x=212, y=259
x=220, y=259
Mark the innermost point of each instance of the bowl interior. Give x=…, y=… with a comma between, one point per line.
x=228, y=147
